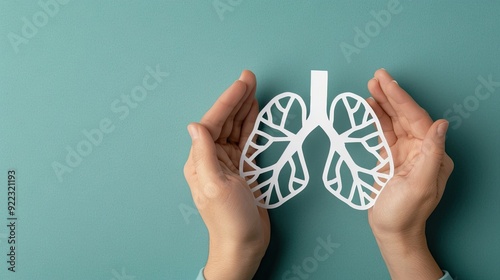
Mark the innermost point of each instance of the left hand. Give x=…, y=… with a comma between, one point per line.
x=239, y=231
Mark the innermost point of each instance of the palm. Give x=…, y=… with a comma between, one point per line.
x=229, y=155
x=397, y=191
x=405, y=152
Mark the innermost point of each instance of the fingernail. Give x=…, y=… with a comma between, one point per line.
x=193, y=131
x=241, y=75
x=382, y=68
x=442, y=128
x=395, y=82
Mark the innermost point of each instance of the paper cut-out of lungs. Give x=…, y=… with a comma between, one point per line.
x=350, y=122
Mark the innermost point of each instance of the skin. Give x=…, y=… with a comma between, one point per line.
x=239, y=231
x=422, y=168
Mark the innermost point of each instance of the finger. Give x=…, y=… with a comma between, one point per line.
x=249, y=78
x=414, y=119
x=248, y=124
x=204, y=156
x=385, y=122
x=215, y=119
x=247, y=128
x=432, y=150
x=228, y=126
x=379, y=96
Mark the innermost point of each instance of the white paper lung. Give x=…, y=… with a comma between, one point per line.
x=344, y=175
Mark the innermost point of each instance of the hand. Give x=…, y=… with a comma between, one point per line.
x=239, y=231
x=421, y=169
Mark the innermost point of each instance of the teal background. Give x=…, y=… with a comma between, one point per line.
x=120, y=212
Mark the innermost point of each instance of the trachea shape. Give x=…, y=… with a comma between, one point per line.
x=354, y=190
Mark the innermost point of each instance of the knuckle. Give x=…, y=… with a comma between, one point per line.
x=186, y=169
x=449, y=164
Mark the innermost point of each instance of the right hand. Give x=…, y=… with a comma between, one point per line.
x=421, y=165
x=421, y=169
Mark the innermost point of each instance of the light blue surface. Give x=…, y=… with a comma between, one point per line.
x=120, y=211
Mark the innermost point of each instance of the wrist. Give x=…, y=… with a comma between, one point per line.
x=401, y=244
x=232, y=261
x=407, y=256
x=403, y=238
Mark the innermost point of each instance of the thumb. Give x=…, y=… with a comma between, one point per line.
x=204, y=154
x=433, y=152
